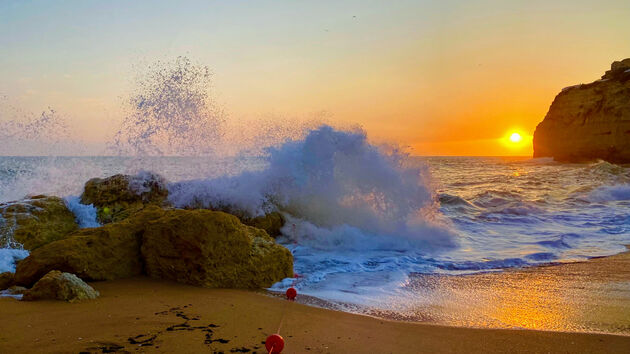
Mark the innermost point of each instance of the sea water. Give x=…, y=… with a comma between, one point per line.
x=362, y=221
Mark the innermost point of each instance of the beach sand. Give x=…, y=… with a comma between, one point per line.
x=146, y=315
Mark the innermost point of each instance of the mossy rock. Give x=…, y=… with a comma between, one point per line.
x=199, y=247
x=213, y=249
x=57, y=285
x=271, y=223
x=36, y=221
x=119, y=196
x=103, y=253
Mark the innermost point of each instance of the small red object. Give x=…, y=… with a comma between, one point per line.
x=296, y=275
x=274, y=344
x=291, y=293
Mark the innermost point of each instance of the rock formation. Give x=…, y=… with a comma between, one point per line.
x=35, y=221
x=104, y=253
x=589, y=121
x=213, y=249
x=199, y=247
x=119, y=196
x=60, y=286
x=272, y=223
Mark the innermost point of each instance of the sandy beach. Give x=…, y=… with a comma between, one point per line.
x=146, y=315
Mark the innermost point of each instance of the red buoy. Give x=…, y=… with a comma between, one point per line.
x=291, y=293
x=274, y=344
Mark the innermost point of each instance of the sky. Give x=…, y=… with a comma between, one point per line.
x=439, y=77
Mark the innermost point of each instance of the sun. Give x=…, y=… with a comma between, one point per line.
x=516, y=137
x=516, y=141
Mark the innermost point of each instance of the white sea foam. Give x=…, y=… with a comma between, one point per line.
x=8, y=257
x=85, y=215
x=610, y=193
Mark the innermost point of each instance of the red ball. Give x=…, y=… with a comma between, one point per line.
x=274, y=344
x=291, y=293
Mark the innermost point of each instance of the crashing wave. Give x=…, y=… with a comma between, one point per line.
x=330, y=179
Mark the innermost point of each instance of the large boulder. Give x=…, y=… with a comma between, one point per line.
x=589, y=121
x=35, y=221
x=60, y=286
x=104, y=253
x=213, y=249
x=119, y=196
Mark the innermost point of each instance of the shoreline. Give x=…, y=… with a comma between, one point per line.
x=598, y=286
x=147, y=315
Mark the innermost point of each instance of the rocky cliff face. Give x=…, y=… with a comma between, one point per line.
x=589, y=121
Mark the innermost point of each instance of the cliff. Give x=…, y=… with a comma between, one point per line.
x=589, y=121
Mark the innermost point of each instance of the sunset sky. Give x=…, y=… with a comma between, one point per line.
x=442, y=77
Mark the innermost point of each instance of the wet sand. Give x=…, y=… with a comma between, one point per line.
x=592, y=296
x=145, y=315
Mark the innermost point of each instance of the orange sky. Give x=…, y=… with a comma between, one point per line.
x=442, y=77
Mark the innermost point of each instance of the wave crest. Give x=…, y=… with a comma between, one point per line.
x=330, y=178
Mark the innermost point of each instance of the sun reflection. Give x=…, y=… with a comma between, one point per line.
x=570, y=297
x=533, y=306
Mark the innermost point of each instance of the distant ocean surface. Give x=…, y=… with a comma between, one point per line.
x=478, y=213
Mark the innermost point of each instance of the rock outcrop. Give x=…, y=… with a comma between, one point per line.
x=60, y=286
x=199, y=247
x=36, y=221
x=119, y=196
x=589, y=121
x=104, y=253
x=213, y=249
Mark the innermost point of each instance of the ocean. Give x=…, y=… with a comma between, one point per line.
x=363, y=223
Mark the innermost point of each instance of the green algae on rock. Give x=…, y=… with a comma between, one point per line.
x=117, y=197
x=199, y=247
x=103, y=253
x=213, y=249
x=272, y=223
x=57, y=285
x=35, y=221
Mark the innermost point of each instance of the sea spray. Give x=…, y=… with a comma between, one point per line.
x=170, y=112
x=85, y=215
x=11, y=251
x=329, y=179
x=44, y=133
